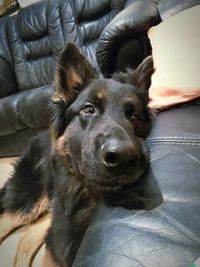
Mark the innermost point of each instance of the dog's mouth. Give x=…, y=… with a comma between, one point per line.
x=108, y=188
x=114, y=184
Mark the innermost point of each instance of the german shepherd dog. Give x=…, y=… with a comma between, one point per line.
x=94, y=149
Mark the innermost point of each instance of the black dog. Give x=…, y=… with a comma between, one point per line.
x=96, y=149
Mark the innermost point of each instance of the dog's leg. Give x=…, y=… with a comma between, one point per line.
x=24, y=196
x=68, y=225
x=30, y=243
x=12, y=220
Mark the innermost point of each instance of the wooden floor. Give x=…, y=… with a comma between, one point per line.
x=5, y=169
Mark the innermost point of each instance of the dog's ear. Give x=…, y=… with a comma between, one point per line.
x=140, y=78
x=73, y=72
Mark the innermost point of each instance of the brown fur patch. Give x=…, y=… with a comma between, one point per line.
x=10, y=221
x=72, y=78
x=41, y=206
x=61, y=147
x=101, y=95
x=58, y=98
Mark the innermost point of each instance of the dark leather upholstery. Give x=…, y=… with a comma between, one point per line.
x=125, y=37
x=30, y=43
x=167, y=232
x=163, y=227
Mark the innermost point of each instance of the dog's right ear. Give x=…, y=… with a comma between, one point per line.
x=73, y=72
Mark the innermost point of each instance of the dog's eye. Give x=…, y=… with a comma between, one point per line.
x=134, y=117
x=88, y=109
x=131, y=114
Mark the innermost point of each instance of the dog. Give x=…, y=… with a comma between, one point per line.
x=94, y=149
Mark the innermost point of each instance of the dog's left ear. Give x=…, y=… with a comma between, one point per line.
x=141, y=78
x=73, y=72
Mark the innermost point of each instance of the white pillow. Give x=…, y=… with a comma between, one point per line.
x=176, y=53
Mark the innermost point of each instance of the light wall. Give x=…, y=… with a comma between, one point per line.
x=24, y=3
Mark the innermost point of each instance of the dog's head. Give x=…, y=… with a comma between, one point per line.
x=101, y=124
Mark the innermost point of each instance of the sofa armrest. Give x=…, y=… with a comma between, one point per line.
x=131, y=23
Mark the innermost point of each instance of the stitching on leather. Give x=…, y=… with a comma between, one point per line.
x=171, y=140
x=175, y=143
x=174, y=138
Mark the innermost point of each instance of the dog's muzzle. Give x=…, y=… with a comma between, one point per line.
x=118, y=155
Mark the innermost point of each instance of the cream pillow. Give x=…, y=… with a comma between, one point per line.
x=176, y=53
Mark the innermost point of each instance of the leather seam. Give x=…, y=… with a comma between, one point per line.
x=174, y=138
x=193, y=141
x=175, y=143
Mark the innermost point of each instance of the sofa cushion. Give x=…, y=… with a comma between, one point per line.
x=8, y=84
x=27, y=109
x=39, y=32
x=175, y=48
x=15, y=143
x=31, y=46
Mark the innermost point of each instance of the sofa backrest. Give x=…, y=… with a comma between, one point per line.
x=8, y=84
x=30, y=45
x=37, y=34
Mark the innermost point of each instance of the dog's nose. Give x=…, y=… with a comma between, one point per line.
x=117, y=154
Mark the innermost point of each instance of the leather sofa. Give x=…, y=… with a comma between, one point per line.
x=163, y=226
x=30, y=44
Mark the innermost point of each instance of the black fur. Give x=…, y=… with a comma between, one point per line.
x=96, y=149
